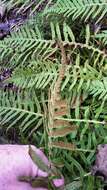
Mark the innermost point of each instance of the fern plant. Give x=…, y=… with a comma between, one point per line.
x=60, y=73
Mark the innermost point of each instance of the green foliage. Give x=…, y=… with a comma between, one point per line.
x=19, y=108
x=75, y=185
x=99, y=88
x=33, y=52
x=102, y=37
x=83, y=9
x=23, y=5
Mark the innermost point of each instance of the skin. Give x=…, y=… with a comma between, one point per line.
x=15, y=162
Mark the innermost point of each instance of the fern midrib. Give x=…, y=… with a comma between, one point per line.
x=81, y=120
x=82, y=45
x=27, y=39
x=21, y=110
x=86, y=46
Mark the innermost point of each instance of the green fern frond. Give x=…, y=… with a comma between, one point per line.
x=102, y=37
x=82, y=8
x=16, y=108
x=39, y=80
x=40, y=75
x=99, y=88
x=103, y=34
x=24, y=5
x=27, y=44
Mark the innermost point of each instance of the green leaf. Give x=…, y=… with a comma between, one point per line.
x=75, y=185
x=37, y=160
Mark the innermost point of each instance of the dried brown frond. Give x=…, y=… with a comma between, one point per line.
x=61, y=71
x=60, y=104
x=63, y=145
x=59, y=123
x=59, y=107
x=61, y=112
x=61, y=132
